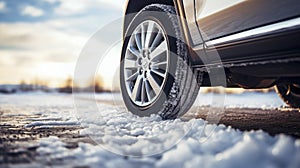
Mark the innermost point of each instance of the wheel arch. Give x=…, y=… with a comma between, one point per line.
x=134, y=6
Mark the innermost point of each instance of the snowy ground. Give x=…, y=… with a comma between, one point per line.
x=124, y=140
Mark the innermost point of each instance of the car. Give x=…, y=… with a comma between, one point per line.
x=171, y=48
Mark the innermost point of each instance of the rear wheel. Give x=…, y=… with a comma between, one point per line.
x=155, y=75
x=290, y=94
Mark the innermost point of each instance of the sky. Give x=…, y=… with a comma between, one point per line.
x=42, y=39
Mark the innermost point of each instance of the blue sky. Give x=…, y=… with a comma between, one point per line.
x=43, y=38
x=13, y=10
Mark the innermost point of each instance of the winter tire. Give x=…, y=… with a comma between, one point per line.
x=289, y=93
x=155, y=75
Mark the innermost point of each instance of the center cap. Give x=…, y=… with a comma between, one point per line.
x=145, y=63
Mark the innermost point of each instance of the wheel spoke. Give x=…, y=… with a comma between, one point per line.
x=143, y=91
x=158, y=73
x=155, y=87
x=148, y=90
x=143, y=32
x=134, y=51
x=133, y=76
x=159, y=50
x=149, y=34
x=156, y=41
x=138, y=41
x=136, y=89
x=157, y=64
x=130, y=64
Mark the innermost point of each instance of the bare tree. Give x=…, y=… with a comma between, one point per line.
x=68, y=85
x=98, y=84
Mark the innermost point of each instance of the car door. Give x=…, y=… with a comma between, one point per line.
x=217, y=18
x=224, y=23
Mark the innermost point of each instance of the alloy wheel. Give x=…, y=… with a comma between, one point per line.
x=146, y=63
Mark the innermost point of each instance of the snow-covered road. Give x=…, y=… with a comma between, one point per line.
x=124, y=140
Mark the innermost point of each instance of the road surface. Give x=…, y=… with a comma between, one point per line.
x=19, y=142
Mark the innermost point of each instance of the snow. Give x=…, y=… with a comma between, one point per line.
x=52, y=109
x=244, y=100
x=125, y=140
x=226, y=148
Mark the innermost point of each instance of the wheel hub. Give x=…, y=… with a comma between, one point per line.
x=145, y=64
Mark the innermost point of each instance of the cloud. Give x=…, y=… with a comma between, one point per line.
x=50, y=48
x=70, y=7
x=51, y=1
x=42, y=40
x=32, y=11
x=30, y=50
x=3, y=7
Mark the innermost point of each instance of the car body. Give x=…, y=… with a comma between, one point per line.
x=254, y=44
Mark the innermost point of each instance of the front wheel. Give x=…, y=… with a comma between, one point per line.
x=290, y=94
x=155, y=75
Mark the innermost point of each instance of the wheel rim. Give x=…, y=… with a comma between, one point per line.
x=146, y=63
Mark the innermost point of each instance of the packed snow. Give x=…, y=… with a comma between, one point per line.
x=225, y=148
x=125, y=140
